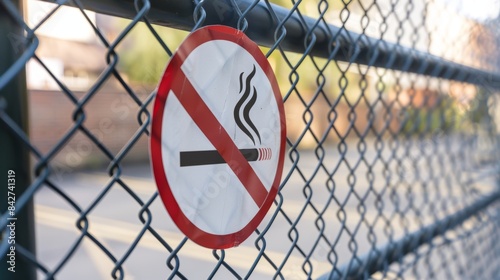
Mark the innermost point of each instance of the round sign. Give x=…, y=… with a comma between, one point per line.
x=218, y=137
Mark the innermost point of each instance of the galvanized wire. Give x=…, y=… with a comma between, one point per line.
x=392, y=171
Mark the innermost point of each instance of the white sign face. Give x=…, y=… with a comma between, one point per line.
x=218, y=137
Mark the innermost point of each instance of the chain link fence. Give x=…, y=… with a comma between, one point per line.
x=393, y=157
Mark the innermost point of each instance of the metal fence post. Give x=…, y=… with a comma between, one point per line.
x=15, y=155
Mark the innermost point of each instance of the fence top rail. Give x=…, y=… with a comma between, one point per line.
x=270, y=25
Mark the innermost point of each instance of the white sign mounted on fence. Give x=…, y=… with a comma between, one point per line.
x=218, y=137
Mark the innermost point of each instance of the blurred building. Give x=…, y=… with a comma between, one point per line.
x=71, y=50
x=67, y=46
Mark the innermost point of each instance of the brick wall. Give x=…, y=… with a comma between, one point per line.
x=110, y=115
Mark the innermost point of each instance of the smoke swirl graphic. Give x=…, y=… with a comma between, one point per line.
x=251, y=96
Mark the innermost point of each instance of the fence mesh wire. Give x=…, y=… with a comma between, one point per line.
x=388, y=174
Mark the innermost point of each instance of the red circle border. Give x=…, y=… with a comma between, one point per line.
x=195, y=39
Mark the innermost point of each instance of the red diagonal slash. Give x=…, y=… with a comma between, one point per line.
x=215, y=132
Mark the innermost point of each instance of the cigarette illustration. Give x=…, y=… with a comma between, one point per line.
x=194, y=158
x=242, y=119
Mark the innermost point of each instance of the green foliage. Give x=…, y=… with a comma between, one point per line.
x=479, y=107
x=142, y=58
x=443, y=117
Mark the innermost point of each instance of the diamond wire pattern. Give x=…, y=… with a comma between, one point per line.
x=387, y=160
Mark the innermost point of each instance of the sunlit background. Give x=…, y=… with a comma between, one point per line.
x=462, y=31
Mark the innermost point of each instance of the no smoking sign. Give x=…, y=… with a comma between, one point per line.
x=218, y=137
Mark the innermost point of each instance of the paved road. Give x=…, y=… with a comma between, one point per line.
x=115, y=223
